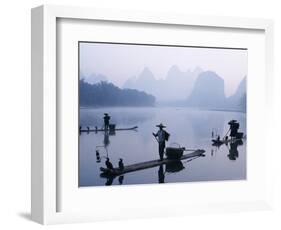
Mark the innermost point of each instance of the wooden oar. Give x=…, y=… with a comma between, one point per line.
x=226, y=134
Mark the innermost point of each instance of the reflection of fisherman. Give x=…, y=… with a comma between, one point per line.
x=161, y=176
x=162, y=136
x=234, y=126
x=106, y=141
x=106, y=119
x=233, y=151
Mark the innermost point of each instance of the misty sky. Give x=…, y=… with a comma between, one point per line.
x=120, y=62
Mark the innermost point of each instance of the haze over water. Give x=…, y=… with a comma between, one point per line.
x=188, y=127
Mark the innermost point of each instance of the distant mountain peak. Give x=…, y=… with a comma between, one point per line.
x=210, y=76
x=146, y=75
x=146, y=70
x=175, y=85
x=174, y=68
x=208, y=91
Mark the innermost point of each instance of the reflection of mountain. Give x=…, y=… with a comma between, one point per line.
x=201, y=122
x=107, y=94
x=177, y=84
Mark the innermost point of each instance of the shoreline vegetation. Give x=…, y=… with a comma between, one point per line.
x=107, y=94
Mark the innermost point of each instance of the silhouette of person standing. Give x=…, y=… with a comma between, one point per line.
x=162, y=137
x=106, y=119
x=234, y=126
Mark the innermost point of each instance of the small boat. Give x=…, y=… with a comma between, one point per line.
x=103, y=130
x=239, y=137
x=218, y=142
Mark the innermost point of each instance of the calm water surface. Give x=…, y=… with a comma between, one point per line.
x=188, y=127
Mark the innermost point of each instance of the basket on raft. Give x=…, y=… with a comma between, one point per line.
x=175, y=151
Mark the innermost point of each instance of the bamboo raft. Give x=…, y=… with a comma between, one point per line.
x=103, y=130
x=148, y=164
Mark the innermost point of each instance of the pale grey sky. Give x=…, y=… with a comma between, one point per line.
x=119, y=62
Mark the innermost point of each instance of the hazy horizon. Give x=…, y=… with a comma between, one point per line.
x=120, y=62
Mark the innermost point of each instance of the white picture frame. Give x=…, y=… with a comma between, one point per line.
x=45, y=162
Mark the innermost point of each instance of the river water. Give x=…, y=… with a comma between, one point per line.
x=190, y=128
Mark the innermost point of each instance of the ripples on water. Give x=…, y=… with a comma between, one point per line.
x=189, y=128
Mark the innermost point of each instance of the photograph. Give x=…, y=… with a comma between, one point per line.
x=157, y=113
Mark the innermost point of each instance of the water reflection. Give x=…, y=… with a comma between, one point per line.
x=92, y=117
x=161, y=175
x=106, y=140
x=174, y=166
x=191, y=128
x=168, y=168
x=109, y=180
x=232, y=147
x=208, y=124
x=233, y=151
x=120, y=179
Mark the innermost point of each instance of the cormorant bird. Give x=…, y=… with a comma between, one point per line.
x=88, y=128
x=121, y=164
x=98, y=156
x=108, y=164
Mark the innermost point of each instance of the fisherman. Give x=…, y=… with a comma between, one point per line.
x=88, y=128
x=121, y=164
x=108, y=164
x=106, y=119
x=162, y=137
x=234, y=126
